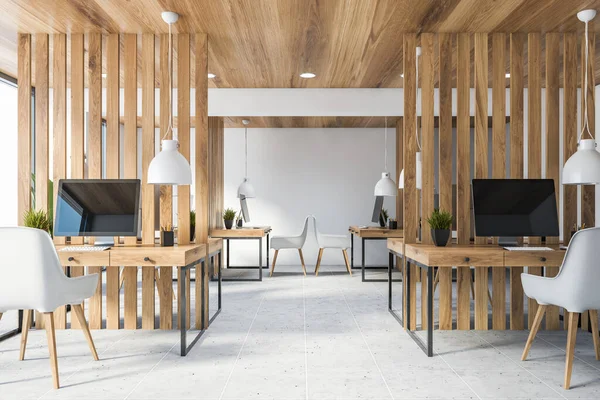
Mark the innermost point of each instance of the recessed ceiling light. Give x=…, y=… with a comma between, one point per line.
x=307, y=75
x=104, y=75
x=211, y=76
x=401, y=75
x=507, y=75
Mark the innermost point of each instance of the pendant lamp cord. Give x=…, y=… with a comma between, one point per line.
x=170, y=58
x=586, y=126
x=417, y=103
x=385, y=148
x=246, y=152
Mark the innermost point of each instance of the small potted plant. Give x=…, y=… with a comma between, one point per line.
x=38, y=219
x=392, y=223
x=228, y=217
x=167, y=236
x=192, y=225
x=239, y=221
x=383, y=217
x=440, y=223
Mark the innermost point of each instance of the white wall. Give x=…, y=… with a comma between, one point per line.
x=8, y=156
x=330, y=173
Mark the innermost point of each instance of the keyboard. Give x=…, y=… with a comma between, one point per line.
x=530, y=248
x=85, y=248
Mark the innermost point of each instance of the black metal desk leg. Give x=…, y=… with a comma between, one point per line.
x=220, y=260
x=351, y=250
x=407, y=295
x=183, y=311
x=227, y=253
x=268, y=250
x=390, y=267
x=260, y=259
x=429, y=311
x=362, y=268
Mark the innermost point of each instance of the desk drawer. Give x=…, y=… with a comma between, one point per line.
x=148, y=258
x=82, y=259
x=534, y=258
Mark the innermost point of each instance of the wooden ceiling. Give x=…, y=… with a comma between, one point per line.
x=267, y=43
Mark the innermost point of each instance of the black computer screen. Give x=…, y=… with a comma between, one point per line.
x=515, y=207
x=97, y=207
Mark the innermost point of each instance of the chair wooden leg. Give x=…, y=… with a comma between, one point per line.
x=49, y=322
x=594, y=319
x=0, y=316
x=318, y=262
x=86, y=330
x=571, y=337
x=347, y=261
x=274, y=261
x=24, y=332
x=302, y=261
x=537, y=321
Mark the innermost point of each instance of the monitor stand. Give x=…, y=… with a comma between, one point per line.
x=508, y=241
x=104, y=241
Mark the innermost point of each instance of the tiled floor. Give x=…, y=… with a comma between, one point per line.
x=291, y=337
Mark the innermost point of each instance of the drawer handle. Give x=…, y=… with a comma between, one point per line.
x=71, y=259
x=542, y=258
x=146, y=259
x=467, y=259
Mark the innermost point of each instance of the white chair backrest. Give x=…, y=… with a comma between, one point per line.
x=30, y=271
x=580, y=270
x=304, y=233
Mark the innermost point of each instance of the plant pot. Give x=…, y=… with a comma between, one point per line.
x=167, y=238
x=239, y=223
x=381, y=222
x=440, y=237
x=393, y=224
x=228, y=223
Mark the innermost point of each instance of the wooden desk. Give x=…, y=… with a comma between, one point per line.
x=183, y=257
x=370, y=233
x=249, y=233
x=465, y=257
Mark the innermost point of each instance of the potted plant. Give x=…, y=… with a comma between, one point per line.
x=192, y=225
x=440, y=223
x=38, y=219
x=167, y=236
x=239, y=221
x=383, y=217
x=228, y=217
x=392, y=223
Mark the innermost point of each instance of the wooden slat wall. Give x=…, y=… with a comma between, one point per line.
x=410, y=149
x=59, y=136
x=445, y=165
x=552, y=150
x=148, y=274
x=517, y=44
x=463, y=176
x=588, y=192
x=499, y=162
x=94, y=153
x=77, y=127
x=130, y=164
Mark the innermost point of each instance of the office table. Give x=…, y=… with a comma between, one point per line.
x=246, y=233
x=366, y=234
x=464, y=257
x=148, y=257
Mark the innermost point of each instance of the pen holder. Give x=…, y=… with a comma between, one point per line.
x=167, y=238
x=392, y=224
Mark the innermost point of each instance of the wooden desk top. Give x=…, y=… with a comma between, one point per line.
x=376, y=232
x=455, y=255
x=252, y=232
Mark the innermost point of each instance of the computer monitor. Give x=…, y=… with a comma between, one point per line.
x=97, y=207
x=377, y=209
x=244, y=207
x=510, y=208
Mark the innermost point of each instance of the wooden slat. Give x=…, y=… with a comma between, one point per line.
x=94, y=153
x=569, y=129
x=427, y=139
x=517, y=44
x=24, y=125
x=113, y=299
x=481, y=297
x=77, y=128
x=588, y=192
x=130, y=165
x=148, y=274
x=216, y=176
x=445, y=299
x=445, y=124
x=552, y=148
x=59, y=136
x=399, y=166
x=410, y=149
x=166, y=191
x=463, y=176
x=498, y=163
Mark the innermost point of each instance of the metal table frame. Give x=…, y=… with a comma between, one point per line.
x=183, y=271
x=428, y=347
x=260, y=266
x=15, y=331
x=363, y=267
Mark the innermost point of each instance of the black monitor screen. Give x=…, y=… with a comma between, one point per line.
x=95, y=207
x=515, y=207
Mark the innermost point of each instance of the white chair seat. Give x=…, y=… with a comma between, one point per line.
x=334, y=241
x=286, y=242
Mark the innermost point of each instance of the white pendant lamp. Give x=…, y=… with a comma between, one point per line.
x=385, y=186
x=170, y=167
x=583, y=167
x=246, y=190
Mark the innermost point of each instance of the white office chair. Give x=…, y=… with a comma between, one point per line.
x=341, y=242
x=575, y=289
x=291, y=242
x=32, y=278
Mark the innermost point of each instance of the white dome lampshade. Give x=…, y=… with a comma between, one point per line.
x=169, y=167
x=583, y=167
x=246, y=190
x=401, y=180
x=385, y=186
x=419, y=183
